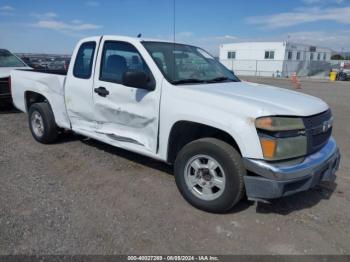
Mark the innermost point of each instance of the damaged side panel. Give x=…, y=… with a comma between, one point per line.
x=126, y=118
x=79, y=87
x=51, y=86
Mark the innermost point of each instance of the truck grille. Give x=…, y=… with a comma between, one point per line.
x=4, y=86
x=316, y=134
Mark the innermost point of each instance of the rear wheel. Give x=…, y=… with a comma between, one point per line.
x=42, y=123
x=209, y=174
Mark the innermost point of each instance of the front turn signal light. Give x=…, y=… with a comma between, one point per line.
x=268, y=147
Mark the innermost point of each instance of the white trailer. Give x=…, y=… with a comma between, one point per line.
x=275, y=58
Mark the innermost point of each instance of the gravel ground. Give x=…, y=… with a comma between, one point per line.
x=80, y=196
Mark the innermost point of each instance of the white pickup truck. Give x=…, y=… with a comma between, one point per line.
x=176, y=103
x=8, y=62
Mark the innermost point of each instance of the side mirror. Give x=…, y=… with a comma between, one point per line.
x=138, y=79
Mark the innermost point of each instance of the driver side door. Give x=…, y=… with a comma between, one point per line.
x=126, y=117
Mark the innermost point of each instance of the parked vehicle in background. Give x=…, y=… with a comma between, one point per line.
x=344, y=72
x=56, y=65
x=177, y=104
x=59, y=64
x=46, y=61
x=8, y=62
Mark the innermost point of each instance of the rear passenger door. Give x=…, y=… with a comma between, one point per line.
x=79, y=87
x=127, y=117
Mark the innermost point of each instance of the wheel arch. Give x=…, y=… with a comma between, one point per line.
x=183, y=132
x=31, y=97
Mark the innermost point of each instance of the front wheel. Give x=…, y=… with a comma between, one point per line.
x=209, y=174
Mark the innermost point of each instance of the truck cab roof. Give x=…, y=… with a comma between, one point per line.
x=129, y=39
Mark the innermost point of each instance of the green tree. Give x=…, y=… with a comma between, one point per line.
x=337, y=57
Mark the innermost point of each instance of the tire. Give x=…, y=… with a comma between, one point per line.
x=48, y=130
x=230, y=170
x=342, y=76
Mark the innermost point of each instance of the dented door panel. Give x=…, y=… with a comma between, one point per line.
x=127, y=116
x=78, y=90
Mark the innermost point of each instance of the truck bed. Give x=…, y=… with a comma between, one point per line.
x=48, y=83
x=47, y=71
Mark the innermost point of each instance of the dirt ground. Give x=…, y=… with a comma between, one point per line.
x=80, y=196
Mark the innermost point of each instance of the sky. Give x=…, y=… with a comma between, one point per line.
x=51, y=26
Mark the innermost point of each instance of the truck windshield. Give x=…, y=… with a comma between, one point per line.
x=9, y=60
x=185, y=64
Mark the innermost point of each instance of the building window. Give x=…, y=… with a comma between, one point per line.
x=312, y=49
x=269, y=54
x=311, y=56
x=298, y=55
x=231, y=55
x=319, y=56
x=324, y=56
x=290, y=55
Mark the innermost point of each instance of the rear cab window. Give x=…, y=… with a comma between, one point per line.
x=84, y=60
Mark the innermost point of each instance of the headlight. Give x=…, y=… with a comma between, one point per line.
x=276, y=139
x=283, y=148
x=279, y=123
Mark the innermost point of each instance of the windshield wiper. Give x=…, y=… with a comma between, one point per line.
x=195, y=81
x=219, y=79
x=189, y=81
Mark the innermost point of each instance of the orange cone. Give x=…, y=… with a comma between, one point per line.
x=295, y=81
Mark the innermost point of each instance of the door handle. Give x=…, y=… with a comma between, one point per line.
x=101, y=91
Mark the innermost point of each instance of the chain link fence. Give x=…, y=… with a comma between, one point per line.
x=337, y=64
x=278, y=68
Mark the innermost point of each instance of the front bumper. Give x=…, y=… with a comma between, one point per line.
x=276, y=180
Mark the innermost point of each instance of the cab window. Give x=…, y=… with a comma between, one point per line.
x=118, y=58
x=84, y=60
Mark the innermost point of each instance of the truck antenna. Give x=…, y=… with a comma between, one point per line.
x=174, y=36
x=174, y=21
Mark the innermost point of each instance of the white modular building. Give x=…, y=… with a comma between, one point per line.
x=277, y=59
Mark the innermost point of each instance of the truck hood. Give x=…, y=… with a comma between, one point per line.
x=6, y=71
x=261, y=99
